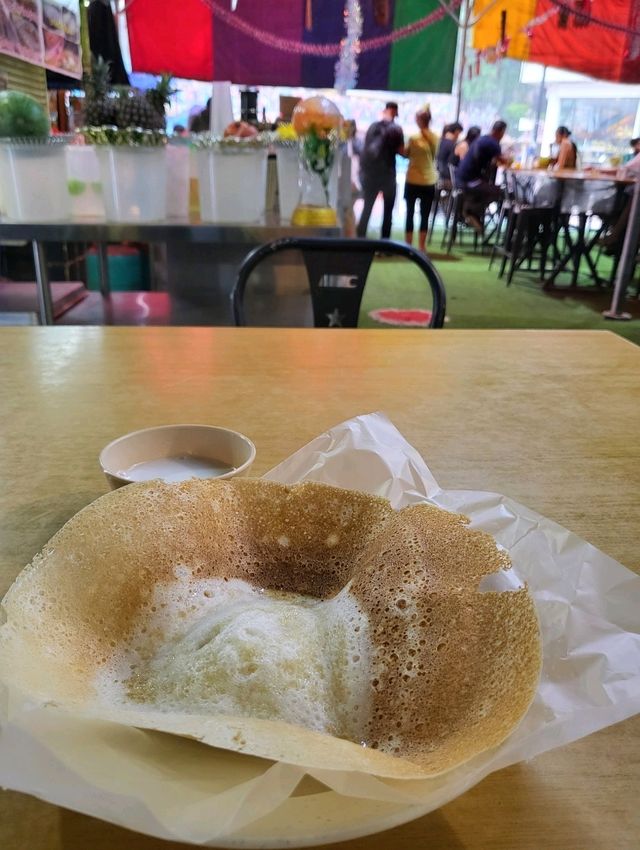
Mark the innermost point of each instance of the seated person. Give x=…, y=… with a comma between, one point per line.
x=201, y=122
x=613, y=240
x=462, y=148
x=472, y=174
x=567, y=150
x=450, y=136
x=632, y=168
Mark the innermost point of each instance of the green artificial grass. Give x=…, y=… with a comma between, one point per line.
x=477, y=298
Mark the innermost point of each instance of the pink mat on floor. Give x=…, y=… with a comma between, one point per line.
x=21, y=297
x=412, y=318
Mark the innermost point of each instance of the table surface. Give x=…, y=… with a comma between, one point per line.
x=162, y=231
x=547, y=417
x=572, y=174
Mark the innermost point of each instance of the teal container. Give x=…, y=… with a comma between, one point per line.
x=128, y=269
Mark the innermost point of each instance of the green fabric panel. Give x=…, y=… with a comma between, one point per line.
x=423, y=62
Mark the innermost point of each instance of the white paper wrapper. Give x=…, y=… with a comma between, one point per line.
x=588, y=606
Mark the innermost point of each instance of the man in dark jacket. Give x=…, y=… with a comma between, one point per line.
x=383, y=141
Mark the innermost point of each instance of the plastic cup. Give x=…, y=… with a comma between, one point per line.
x=134, y=181
x=33, y=180
x=288, y=183
x=84, y=183
x=177, y=180
x=233, y=184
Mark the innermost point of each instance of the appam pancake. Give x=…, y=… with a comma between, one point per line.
x=307, y=624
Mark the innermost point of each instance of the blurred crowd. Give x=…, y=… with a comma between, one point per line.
x=435, y=163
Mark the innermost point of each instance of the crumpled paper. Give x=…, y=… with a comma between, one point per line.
x=178, y=789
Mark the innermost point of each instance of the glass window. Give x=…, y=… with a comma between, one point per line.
x=600, y=127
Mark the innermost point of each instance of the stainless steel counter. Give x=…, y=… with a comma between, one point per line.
x=202, y=258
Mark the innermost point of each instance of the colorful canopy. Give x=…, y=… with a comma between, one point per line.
x=600, y=38
x=294, y=42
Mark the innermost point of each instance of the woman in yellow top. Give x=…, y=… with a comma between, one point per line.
x=421, y=175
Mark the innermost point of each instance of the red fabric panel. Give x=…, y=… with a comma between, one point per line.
x=588, y=49
x=631, y=60
x=166, y=36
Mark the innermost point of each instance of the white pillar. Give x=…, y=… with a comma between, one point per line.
x=551, y=121
x=636, y=123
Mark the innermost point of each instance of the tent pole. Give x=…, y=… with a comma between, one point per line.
x=465, y=14
x=627, y=259
x=541, y=95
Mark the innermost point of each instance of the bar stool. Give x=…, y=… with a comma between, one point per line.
x=440, y=202
x=530, y=225
x=455, y=214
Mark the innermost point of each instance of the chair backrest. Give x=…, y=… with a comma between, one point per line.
x=337, y=271
x=520, y=188
x=510, y=186
x=453, y=177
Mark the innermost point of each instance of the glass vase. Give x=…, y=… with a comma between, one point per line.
x=318, y=155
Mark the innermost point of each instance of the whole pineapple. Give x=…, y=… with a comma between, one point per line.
x=145, y=110
x=160, y=96
x=100, y=108
x=135, y=110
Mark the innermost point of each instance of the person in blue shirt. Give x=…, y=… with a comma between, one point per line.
x=475, y=175
x=444, y=156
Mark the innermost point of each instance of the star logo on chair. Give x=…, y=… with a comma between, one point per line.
x=335, y=318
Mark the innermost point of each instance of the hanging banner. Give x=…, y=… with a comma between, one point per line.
x=21, y=30
x=43, y=33
x=61, y=31
x=599, y=39
x=170, y=37
x=294, y=42
x=503, y=24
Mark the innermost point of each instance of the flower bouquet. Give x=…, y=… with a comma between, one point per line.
x=317, y=122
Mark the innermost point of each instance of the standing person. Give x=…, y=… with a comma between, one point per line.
x=479, y=190
x=202, y=121
x=383, y=141
x=567, y=149
x=450, y=136
x=347, y=190
x=421, y=175
x=462, y=148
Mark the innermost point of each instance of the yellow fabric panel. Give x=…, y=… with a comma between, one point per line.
x=486, y=32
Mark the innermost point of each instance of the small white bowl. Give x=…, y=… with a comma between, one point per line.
x=176, y=453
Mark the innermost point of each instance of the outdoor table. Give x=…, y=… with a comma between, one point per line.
x=580, y=249
x=546, y=417
x=185, y=236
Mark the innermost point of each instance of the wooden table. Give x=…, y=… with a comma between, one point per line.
x=575, y=174
x=547, y=417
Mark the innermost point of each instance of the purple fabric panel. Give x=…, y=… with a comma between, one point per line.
x=328, y=27
x=374, y=65
x=242, y=59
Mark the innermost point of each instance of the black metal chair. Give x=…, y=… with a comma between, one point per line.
x=453, y=216
x=455, y=224
x=529, y=216
x=440, y=202
x=337, y=271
